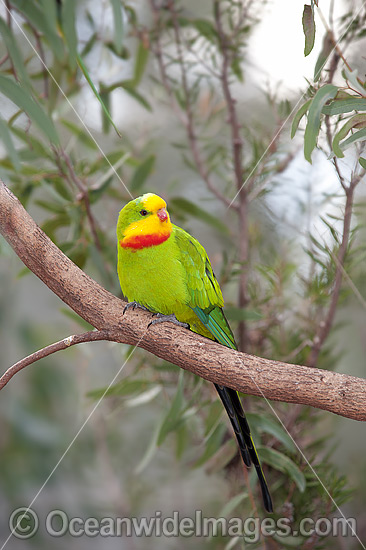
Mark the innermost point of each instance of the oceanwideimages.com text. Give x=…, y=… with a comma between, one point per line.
x=24, y=523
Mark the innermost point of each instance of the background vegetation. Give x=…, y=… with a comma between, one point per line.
x=286, y=243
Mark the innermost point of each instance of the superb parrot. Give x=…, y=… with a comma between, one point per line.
x=164, y=269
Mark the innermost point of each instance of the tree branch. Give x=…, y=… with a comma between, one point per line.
x=334, y=392
x=91, y=336
x=326, y=324
x=187, y=119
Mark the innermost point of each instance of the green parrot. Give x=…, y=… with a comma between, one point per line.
x=164, y=269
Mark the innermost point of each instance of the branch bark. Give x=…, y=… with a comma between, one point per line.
x=334, y=392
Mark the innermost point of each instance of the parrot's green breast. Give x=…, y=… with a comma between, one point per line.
x=157, y=278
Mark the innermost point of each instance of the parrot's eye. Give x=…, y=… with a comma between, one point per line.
x=143, y=212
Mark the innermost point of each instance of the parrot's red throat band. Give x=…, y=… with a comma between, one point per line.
x=143, y=241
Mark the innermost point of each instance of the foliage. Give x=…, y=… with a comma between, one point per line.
x=72, y=168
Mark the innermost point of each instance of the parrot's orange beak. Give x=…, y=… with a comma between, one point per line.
x=162, y=214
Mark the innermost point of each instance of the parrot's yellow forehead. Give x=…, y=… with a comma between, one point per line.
x=152, y=202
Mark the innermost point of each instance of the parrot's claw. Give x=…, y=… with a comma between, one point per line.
x=133, y=305
x=160, y=318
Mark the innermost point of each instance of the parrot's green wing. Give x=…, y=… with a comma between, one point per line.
x=206, y=301
x=205, y=294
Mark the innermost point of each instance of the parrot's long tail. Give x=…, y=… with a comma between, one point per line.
x=234, y=409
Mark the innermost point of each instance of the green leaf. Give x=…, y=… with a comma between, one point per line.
x=26, y=102
x=232, y=504
x=342, y=106
x=236, y=68
x=308, y=25
x=50, y=10
x=281, y=462
x=33, y=145
x=353, y=78
x=213, y=444
x=123, y=388
x=68, y=26
x=143, y=397
x=141, y=173
x=8, y=142
x=221, y=458
x=151, y=449
x=118, y=25
x=323, y=57
x=105, y=97
x=206, y=29
x=213, y=416
x=242, y=314
x=50, y=206
x=13, y=50
x=174, y=415
x=357, y=136
x=81, y=134
x=192, y=209
x=324, y=94
x=300, y=113
x=42, y=21
x=270, y=426
x=362, y=161
x=355, y=121
x=96, y=93
x=129, y=87
x=142, y=57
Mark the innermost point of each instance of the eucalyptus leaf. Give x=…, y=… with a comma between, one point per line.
x=68, y=8
x=297, y=118
x=20, y=97
x=96, y=93
x=233, y=504
x=5, y=136
x=324, y=94
x=141, y=173
x=196, y=211
x=118, y=25
x=270, y=426
x=173, y=416
x=284, y=464
x=43, y=21
x=308, y=25
x=342, y=106
x=360, y=135
x=355, y=121
x=140, y=64
x=15, y=54
x=323, y=57
x=242, y=314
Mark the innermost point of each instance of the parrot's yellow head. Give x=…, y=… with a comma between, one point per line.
x=143, y=222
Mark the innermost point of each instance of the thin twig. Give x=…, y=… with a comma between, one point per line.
x=187, y=118
x=91, y=336
x=326, y=325
x=237, y=152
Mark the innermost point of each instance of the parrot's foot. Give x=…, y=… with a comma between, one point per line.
x=160, y=318
x=133, y=305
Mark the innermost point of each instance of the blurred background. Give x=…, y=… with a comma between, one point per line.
x=203, y=95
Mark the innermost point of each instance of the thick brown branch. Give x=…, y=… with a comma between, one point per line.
x=334, y=392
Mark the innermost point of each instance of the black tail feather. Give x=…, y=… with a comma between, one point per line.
x=233, y=407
